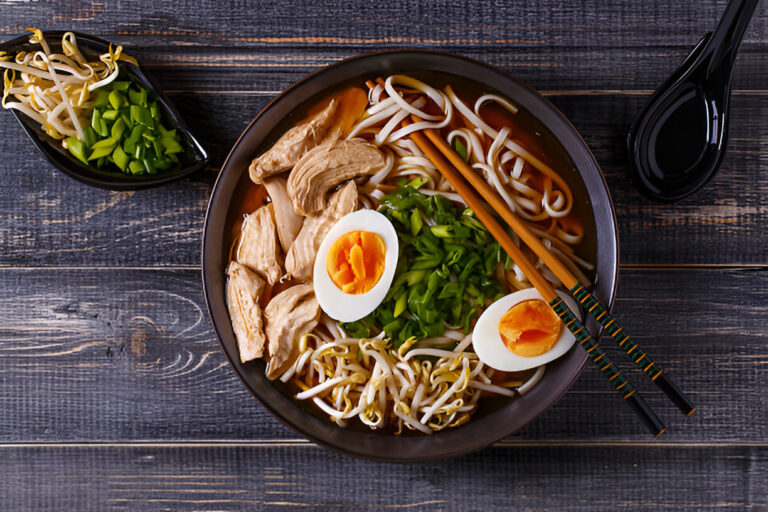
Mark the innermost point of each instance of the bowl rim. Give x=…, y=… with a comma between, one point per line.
x=605, y=288
x=88, y=174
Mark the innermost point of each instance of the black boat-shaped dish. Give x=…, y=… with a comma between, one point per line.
x=193, y=158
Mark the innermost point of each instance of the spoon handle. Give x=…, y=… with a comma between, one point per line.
x=635, y=353
x=726, y=38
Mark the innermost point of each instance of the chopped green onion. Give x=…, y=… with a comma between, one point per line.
x=441, y=231
x=136, y=98
x=400, y=304
x=102, y=98
x=104, y=143
x=141, y=115
x=171, y=145
x=126, y=131
x=78, y=149
x=120, y=158
x=416, y=222
x=90, y=136
x=443, y=275
x=118, y=129
x=120, y=86
x=100, y=152
x=460, y=148
x=136, y=167
x=117, y=99
x=149, y=166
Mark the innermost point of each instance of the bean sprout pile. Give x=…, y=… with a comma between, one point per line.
x=55, y=89
x=426, y=389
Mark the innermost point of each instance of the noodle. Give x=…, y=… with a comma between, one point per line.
x=434, y=383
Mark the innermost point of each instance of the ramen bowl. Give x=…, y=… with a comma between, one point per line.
x=497, y=417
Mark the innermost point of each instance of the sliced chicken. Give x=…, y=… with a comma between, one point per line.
x=301, y=256
x=288, y=223
x=325, y=166
x=288, y=316
x=258, y=248
x=294, y=144
x=243, y=291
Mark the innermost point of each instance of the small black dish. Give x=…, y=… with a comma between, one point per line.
x=193, y=159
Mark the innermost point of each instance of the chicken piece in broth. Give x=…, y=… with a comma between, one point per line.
x=288, y=316
x=258, y=248
x=301, y=256
x=325, y=166
x=288, y=222
x=294, y=144
x=243, y=291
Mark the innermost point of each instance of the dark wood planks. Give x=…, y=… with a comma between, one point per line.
x=360, y=22
x=545, y=68
x=580, y=45
x=128, y=354
x=51, y=220
x=299, y=476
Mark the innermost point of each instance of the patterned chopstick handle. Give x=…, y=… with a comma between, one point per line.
x=607, y=368
x=594, y=351
x=615, y=331
x=635, y=353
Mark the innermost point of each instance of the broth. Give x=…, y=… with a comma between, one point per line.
x=528, y=131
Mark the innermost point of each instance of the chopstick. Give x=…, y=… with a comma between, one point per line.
x=585, y=339
x=577, y=290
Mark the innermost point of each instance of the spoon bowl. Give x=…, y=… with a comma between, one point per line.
x=678, y=141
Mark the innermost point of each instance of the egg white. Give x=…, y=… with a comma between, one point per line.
x=347, y=307
x=490, y=348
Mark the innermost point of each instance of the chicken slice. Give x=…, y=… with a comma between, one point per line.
x=288, y=316
x=288, y=222
x=325, y=166
x=243, y=291
x=301, y=256
x=294, y=144
x=258, y=248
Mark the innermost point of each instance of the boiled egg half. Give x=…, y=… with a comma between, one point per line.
x=355, y=265
x=520, y=331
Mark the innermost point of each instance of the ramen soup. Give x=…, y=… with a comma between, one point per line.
x=363, y=280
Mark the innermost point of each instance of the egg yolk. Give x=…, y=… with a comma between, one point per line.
x=530, y=328
x=355, y=261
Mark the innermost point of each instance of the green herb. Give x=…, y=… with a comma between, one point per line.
x=127, y=133
x=445, y=274
x=78, y=149
x=460, y=148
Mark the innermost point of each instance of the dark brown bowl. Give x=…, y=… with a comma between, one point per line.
x=192, y=160
x=494, y=420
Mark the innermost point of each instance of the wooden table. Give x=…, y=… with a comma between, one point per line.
x=114, y=393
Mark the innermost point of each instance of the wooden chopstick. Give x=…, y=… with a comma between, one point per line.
x=578, y=290
x=585, y=339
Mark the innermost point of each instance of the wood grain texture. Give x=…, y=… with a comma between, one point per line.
x=251, y=23
x=53, y=220
x=581, y=45
x=128, y=354
x=298, y=476
x=114, y=394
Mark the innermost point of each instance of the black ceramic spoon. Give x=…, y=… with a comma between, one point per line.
x=678, y=141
